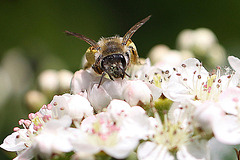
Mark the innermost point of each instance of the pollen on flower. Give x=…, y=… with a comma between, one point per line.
x=157, y=80
x=105, y=131
x=172, y=135
x=49, y=106
x=31, y=116
x=44, y=106
x=39, y=121
x=235, y=99
x=184, y=65
x=46, y=118
x=20, y=122
x=201, y=85
x=15, y=129
x=27, y=123
x=55, y=103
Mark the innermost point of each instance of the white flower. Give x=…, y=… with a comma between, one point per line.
x=191, y=81
x=20, y=80
x=206, y=115
x=144, y=72
x=34, y=99
x=51, y=81
x=136, y=92
x=116, y=131
x=39, y=138
x=48, y=81
x=227, y=129
x=65, y=78
x=153, y=151
x=54, y=138
x=162, y=55
x=21, y=140
x=99, y=97
x=182, y=112
x=83, y=80
x=75, y=106
x=203, y=44
x=102, y=134
x=195, y=116
x=200, y=40
x=216, y=56
x=17, y=141
x=132, y=91
x=134, y=119
x=172, y=141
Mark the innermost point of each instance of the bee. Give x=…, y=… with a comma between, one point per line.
x=112, y=55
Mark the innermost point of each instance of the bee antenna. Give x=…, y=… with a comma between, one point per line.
x=124, y=73
x=127, y=75
x=132, y=30
x=82, y=37
x=101, y=79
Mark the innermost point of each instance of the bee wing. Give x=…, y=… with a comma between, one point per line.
x=130, y=33
x=82, y=37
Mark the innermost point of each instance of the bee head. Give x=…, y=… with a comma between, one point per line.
x=114, y=65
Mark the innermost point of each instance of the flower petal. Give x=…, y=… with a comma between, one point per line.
x=122, y=149
x=153, y=151
x=227, y=130
x=98, y=97
x=137, y=91
x=234, y=63
x=12, y=143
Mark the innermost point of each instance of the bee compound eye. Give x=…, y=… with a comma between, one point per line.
x=123, y=61
x=114, y=59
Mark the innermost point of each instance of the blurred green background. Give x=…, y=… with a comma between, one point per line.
x=34, y=31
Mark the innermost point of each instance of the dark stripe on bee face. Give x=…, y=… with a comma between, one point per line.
x=132, y=50
x=127, y=54
x=97, y=69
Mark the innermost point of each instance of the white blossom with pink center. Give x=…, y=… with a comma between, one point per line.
x=44, y=132
x=116, y=132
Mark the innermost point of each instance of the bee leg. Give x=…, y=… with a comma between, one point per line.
x=101, y=79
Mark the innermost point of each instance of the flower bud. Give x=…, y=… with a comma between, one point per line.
x=161, y=55
x=65, y=77
x=48, y=81
x=199, y=40
x=35, y=99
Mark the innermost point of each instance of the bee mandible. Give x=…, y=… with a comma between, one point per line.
x=112, y=55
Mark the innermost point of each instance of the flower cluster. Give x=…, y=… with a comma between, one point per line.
x=50, y=82
x=159, y=112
